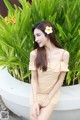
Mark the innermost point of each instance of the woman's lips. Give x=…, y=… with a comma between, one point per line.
x=39, y=42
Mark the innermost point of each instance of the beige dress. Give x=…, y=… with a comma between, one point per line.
x=47, y=79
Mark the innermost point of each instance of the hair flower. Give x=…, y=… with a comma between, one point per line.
x=48, y=30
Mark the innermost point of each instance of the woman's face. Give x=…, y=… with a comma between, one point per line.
x=40, y=37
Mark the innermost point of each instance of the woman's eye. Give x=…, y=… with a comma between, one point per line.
x=38, y=34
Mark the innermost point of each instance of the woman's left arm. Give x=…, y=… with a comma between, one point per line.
x=61, y=77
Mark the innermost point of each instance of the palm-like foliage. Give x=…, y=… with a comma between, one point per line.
x=16, y=40
x=69, y=36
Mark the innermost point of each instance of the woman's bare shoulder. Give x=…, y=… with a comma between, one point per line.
x=33, y=53
x=66, y=54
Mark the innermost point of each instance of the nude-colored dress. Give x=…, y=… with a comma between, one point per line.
x=47, y=79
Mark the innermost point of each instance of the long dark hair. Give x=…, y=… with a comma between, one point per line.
x=41, y=58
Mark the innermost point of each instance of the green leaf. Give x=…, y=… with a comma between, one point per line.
x=68, y=23
x=9, y=6
x=64, y=37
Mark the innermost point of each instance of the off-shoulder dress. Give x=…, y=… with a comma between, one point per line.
x=47, y=79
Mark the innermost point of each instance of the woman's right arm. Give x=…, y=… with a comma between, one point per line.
x=34, y=75
x=34, y=93
x=34, y=85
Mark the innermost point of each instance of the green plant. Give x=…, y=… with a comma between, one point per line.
x=15, y=35
x=69, y=36
x=16, y=39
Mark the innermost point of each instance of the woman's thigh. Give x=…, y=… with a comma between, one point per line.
x=46, y=112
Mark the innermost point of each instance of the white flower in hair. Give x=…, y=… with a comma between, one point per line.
x=48, y=30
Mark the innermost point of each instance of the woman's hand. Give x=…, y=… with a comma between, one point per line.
x=45, y=102
x=35, y=110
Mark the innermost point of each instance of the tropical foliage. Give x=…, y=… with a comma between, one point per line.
x=16, y=39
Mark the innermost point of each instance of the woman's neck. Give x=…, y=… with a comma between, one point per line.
x=50, y=47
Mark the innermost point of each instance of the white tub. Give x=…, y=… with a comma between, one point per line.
x=15, y=95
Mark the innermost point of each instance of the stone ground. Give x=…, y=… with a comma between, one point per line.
x=4, y=113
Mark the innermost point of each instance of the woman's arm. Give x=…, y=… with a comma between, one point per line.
x=57, y=85
x=34, y=75
x=60, y=78
x=34, y=84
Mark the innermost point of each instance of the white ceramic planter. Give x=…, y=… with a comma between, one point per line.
x=15, y=95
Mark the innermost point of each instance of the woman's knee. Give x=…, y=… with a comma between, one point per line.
x=32, y=117
x=42, y=118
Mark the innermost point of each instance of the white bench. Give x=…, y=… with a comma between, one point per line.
x=15, y=95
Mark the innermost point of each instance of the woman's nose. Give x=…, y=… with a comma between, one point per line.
x=36, y=39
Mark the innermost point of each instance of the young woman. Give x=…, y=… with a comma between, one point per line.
x=48, y=65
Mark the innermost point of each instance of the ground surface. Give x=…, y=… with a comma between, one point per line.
x=4, y=113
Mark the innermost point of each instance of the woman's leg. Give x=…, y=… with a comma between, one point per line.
x=46, y=112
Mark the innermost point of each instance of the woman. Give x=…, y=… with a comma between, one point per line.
x=48, y=65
